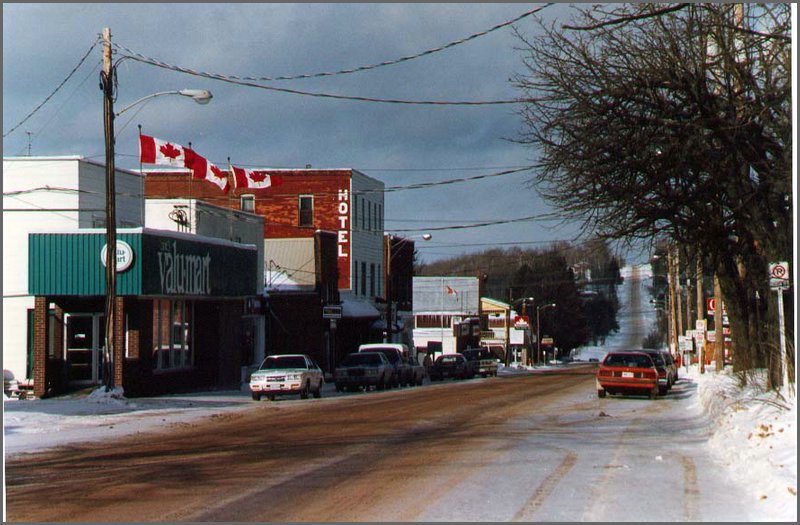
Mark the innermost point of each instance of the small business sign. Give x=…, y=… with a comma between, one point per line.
x=332, y=312
x=700, y=325
x=547, y=341
x=779, y=275
x=124, y=255
x=711, y=303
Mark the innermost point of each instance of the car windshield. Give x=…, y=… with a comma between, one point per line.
x=391, y=354
x=282, y=362
x=361, y=358
x=629, y=360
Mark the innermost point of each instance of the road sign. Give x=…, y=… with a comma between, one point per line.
x=332, y=312
x=711, y=304
x=779, y=275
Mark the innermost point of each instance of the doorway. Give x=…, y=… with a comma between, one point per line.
x=85, y=334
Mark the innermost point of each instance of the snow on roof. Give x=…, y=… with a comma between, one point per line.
x=279, y=281
x=352, y=307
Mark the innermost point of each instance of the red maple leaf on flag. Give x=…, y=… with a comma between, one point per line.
x=170, y=151
x=218, y=172
x=258, y=176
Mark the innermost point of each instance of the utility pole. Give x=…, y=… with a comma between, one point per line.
x=107, y=85
x=678, y=293
x=701, y=314
x=719, y=337
x=508, y=328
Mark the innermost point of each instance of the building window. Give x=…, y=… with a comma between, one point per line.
x=355, y=277
x=306, y=210
x=248, y=203
x=380, y=218
x=372, y=279
x=173, y=341
x=369, y=216
x=363, y=278
x=363, y=213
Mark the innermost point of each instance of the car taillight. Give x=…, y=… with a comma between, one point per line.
x=604, y=373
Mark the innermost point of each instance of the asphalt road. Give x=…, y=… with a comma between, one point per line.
x=514, y=448
x=532, y=447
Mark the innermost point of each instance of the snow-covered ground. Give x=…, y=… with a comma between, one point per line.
x=755, y=430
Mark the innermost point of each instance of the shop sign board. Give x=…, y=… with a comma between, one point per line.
x=124, y=255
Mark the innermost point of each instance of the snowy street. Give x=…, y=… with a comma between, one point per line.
x=530, y=445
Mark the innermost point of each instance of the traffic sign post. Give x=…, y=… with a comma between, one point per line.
x=779, y=281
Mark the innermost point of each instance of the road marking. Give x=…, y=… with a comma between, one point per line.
x=545, y=488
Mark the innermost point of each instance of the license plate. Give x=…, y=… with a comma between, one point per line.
x=627, y=374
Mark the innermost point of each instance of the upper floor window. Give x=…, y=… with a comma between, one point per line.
x=248, y=203
x=306, y=210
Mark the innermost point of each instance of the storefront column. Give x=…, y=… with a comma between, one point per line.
x=119, y=340
x=40, y=345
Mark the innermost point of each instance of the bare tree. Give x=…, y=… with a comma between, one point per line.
x=672, y=122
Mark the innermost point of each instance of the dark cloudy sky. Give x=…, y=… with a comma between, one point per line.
x=397, y=144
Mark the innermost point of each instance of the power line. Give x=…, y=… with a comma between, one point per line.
x=135, y=55
x=224, y=78
x=54, y=91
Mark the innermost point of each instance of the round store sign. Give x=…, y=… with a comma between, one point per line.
x=124, y=255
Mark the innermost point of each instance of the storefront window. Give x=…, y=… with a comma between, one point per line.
x=172, y=334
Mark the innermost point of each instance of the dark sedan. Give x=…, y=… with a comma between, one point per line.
x=453, y=366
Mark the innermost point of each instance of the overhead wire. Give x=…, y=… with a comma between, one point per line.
x=132, y=54
x=224, y=78
x=48, y=97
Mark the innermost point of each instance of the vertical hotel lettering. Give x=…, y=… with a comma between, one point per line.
x=344, y=217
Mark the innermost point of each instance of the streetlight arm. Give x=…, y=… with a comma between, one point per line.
x=201, y=96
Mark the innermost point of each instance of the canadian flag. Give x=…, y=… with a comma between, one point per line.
x=243, y=178
x=156, y=151
x=202, y=169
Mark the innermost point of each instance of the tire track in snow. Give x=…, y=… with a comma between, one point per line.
x=545, y=488
x=691, y=490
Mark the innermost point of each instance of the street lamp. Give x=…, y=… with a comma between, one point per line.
x=108, y=86
x=538, y=331
x=201, y=96
x=389, y=256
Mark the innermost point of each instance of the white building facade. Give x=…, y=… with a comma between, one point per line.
x=51, y=194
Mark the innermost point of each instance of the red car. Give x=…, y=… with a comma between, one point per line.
x=627, y=373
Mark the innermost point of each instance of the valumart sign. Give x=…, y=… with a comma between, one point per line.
x=155, y=263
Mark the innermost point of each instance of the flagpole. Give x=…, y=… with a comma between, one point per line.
x=230, y=207
x=191, y=181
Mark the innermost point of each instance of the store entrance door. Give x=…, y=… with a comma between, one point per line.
x=84, y=341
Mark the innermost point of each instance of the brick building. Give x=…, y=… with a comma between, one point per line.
x=344, y=201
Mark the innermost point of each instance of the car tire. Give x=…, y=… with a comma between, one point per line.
x=381, y=385
x=419, y=381
x=662, y=390
x=338, y=387
x=601, y=392
x=304, y=391
x=318, y=391
x=653, y=393
x=256, y=397
x=271, y=397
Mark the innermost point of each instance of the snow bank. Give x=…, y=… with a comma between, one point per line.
x=755, y=437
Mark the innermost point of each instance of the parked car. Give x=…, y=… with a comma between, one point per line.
x=398, y=356
x=287, y=374
x=627, y=373
x=665, y=373
x=454, y=366
x=483, y=361
x=363, y=369
x=671, y=365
